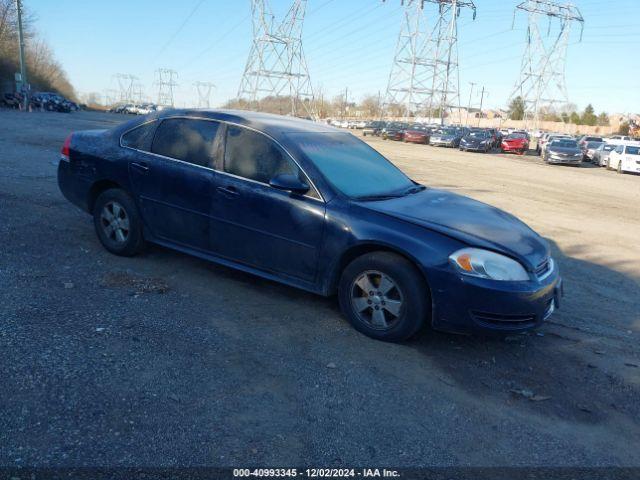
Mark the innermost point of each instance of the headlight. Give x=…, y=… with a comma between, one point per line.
x=487, y=264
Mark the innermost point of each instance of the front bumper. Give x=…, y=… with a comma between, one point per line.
x=443, y=143
x=473, y=148
x=514, y=148
x=565, y=160
x=416, y=139
x=466, y=304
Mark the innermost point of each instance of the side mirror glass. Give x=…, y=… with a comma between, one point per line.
x=289, y=183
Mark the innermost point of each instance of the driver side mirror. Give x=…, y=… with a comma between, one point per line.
x=289, y=183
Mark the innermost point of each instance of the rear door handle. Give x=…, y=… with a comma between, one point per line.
x=229, y=191
x=142, y=167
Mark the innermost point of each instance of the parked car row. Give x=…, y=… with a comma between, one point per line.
x=53, y=102
x=135, y=109
x=49, y=101
x=353, y=124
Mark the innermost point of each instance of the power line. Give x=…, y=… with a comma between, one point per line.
x=180, y=28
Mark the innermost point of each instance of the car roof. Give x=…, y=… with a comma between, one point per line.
x=273, y=125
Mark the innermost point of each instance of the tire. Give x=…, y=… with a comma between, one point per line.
x=409, y=294
x=124, y=237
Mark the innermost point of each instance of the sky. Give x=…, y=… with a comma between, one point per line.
x=347, y=43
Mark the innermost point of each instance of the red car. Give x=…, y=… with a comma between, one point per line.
x=515, y=142
x=416, y=136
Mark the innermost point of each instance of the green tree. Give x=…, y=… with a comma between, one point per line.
x=575, y=118
x=603, y=119
x=516, y=109
x=589, y=116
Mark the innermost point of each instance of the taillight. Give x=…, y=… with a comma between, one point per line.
x=66, y=148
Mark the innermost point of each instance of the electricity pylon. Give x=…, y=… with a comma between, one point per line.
x=165, y=81
x=424, y=74
x=204, y=90
x=125, y=87
x=276, y=66
x=542, y=84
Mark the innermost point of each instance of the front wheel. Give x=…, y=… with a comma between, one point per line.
x=384, y=296
x=118, y=223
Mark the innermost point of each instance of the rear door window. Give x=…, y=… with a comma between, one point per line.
x=187, y=139
x=140, y=137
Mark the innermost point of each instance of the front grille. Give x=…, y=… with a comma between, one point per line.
x=496, y=320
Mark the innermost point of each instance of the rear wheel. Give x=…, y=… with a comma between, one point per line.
x=384, y=296
x=118, y=223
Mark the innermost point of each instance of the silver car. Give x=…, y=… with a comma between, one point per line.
x=564, y=151
x=589, y=150
x=601, y=155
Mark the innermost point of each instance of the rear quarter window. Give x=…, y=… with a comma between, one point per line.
x=140, y=137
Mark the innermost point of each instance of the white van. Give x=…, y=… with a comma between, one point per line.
x=625, y=158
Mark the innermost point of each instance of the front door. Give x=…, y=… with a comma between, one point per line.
x=259, y=225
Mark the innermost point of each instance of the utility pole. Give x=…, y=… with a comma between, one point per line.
x=542, y=83
x=165, y=82
x=276, y=66
x=424, y=74
x=481, y=102
x=23, y=66
x=344, y=102
x=204, y=93
x=469, y=106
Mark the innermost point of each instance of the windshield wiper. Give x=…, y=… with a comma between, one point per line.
x=386, y=196
x=414, y=189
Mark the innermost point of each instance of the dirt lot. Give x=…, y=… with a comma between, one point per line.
x=167, y=360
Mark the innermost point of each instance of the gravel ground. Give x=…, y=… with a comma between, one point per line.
x=166, y=360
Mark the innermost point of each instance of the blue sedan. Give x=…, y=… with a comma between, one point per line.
x=316, y=208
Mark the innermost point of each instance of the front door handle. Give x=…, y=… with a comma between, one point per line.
x=229, y=191
x=142, y=167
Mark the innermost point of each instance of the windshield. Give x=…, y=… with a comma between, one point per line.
x=449, y=131
x=593, y=144
x=478, y=134
x=564, y=144
x=608, y=148
x=593, y=139
x=517, y=135
x=352, y=166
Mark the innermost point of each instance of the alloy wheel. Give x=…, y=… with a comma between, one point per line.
x=115, y=222
x=376, y=299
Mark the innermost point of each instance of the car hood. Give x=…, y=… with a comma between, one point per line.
x=566, y=151
x=472, y=222
x=474, y=140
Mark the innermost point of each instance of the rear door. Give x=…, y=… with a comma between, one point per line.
x=174, y=180
x=259, y=225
